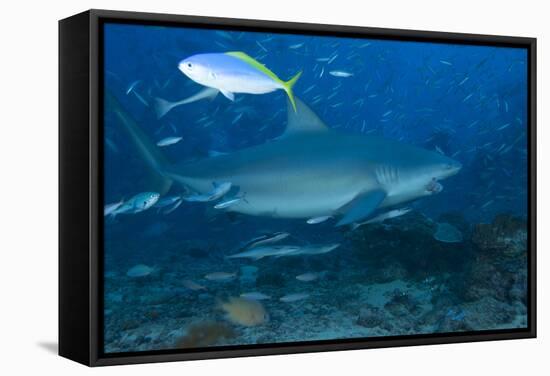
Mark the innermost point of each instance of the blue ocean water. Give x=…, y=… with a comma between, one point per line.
x=455, y=261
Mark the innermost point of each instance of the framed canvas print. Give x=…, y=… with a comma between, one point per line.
x=237, y=187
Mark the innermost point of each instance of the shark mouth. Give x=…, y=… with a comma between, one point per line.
x=434, y=187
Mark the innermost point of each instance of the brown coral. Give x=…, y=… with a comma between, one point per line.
x=206, y=333
x=507, y=234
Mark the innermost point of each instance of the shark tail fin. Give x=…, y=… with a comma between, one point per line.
x=155, y=161
x=287, y=86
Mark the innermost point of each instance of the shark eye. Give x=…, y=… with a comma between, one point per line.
x=190, y=66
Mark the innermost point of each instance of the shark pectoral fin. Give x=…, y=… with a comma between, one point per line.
x=362, y=207
x=229, y=95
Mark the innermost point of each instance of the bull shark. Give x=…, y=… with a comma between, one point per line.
x=309, y=171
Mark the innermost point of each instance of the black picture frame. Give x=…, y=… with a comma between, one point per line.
x=80, y=187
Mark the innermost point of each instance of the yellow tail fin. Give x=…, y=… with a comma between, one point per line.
x=287, y=86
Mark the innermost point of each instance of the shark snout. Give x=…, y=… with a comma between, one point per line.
x=453, y=167
x=448, y=168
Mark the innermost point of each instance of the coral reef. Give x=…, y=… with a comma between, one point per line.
x=402, y=304
x=506, y=234
x=386, y=279
x=405, y=247
x=499, y=268
x=371, y=317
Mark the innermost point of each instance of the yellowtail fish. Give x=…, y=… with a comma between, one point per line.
x=235, y=72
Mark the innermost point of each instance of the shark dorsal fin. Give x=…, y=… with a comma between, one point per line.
x=302, y=120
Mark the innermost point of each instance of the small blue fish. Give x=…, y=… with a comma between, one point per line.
x=342, y=74
x=255, y=296
x=169, y=141
x=463, y=81
x=237, y=118
x=295, y=46
x=140, y=271
x=332, y=59
x=138, y=203
x=219, y=191
x=226, y=204
x=132, y=86
x=314, y=221
x=467, y=97
x=167, y=201
x=110, y=208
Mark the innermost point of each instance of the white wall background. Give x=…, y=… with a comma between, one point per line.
x=28, y=185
